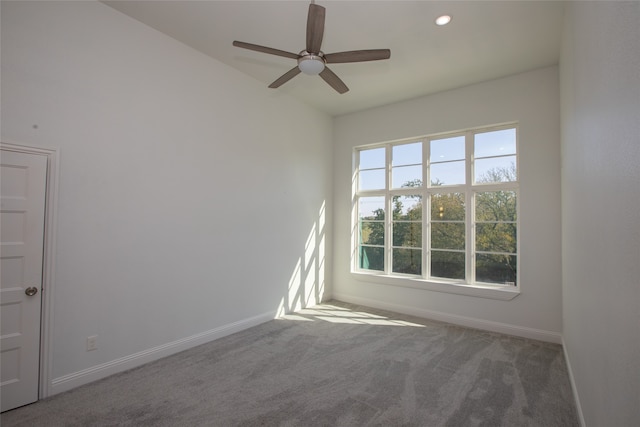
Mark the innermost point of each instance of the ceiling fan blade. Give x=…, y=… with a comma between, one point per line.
x=264, y=49
x=285, y=77
x=315, y=28
x=333, y=80
x=357, y=56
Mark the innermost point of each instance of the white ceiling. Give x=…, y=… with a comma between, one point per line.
x=485, y=40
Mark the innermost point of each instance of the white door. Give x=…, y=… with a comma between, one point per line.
x=23, y=182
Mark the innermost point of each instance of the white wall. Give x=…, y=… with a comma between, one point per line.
x=532, y=99
x=189, y=205
x=600, y=80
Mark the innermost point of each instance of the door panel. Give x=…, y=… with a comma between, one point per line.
x=22, y=207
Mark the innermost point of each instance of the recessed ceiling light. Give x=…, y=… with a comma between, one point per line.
x=443, y=20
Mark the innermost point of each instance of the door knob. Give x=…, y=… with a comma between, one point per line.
x=31, y=291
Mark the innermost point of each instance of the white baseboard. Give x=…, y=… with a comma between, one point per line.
x=85, y=376
x=576, y=396
x=486, y=325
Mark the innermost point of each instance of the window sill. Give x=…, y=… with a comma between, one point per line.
x=497, y=292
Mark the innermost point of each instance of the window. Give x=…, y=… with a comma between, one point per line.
x=440, y=208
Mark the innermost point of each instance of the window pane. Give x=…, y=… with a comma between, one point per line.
x=371, y=258
x=372, y=232
x=495, y=169
x=499, y=269
x=496, y=143
x=371, y=208
x=407, y=261
x=447, y=235
x=496, y=206
x=407, y=207
x=450, y=173
x=448, y=265
x=447, y=149
x=372, y=179
x=407, y=154
x=406, y=176
x=496, y=237
x=407, y=234
x=370, y=159
x=447, y=207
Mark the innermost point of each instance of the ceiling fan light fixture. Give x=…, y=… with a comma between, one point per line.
x=311, y=64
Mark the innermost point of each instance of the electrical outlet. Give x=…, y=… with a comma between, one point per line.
x=92, y=342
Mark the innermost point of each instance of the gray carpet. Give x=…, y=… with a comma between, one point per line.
x=334, y=365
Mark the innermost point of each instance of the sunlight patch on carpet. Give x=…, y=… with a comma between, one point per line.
x=334, y=314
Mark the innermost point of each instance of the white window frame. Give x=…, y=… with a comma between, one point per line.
x=468, y=286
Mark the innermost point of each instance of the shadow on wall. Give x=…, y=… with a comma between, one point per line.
x=306, y=285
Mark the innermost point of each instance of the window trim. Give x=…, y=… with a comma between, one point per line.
x=470, y=189
x=496, y=292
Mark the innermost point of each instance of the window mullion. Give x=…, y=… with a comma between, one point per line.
x=355, y=215
x=426, y=210
x=388, y=237
x=469, y=211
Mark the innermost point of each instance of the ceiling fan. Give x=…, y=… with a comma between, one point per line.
x=312, y=60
